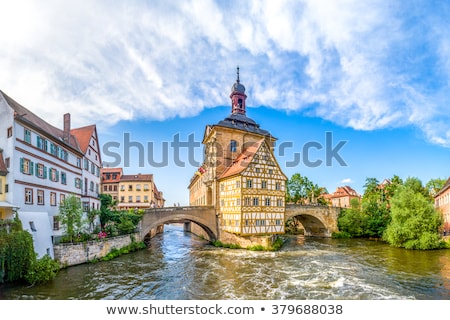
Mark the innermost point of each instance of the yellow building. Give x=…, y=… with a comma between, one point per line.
x=240, y=175
x=6, y=209
x=138, y=191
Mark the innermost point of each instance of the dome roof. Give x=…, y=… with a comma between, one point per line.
x=237, y=86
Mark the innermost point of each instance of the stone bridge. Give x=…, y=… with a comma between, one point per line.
x=317, y=220
x=320, y=221
x=203, y=216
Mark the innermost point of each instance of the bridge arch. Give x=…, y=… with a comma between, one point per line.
x=202, y=216
x=318, y=221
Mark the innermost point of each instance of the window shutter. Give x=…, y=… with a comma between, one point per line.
x=45, y=172
x=21, y=165
x=57, y=175
x=31, y=166
x=37, y=169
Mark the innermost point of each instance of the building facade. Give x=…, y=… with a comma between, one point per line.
x=442, y=203
x=342, y=197
x=131, y=191
x=42, y=165
x=240, y=175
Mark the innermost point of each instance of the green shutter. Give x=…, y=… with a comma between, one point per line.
x=45, y=172
x=37, y=169
x=31, y=166
x=21, y=165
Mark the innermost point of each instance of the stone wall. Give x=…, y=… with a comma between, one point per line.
x=248, y=241
x=70, y=254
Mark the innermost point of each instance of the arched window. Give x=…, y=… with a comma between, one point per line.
x=233, y=146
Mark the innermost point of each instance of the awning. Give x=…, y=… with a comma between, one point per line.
x=6, y=204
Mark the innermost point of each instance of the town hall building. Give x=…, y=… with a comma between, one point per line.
x=240, y=175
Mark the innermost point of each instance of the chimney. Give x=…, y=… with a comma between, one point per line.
x=66, y=134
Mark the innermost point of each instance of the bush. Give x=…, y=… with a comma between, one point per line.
x=42, y=270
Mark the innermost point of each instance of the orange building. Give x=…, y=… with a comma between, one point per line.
x=342, y=197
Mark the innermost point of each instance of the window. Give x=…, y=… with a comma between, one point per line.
x=54, y=175
x=238, y=201
x=138, y=187
x=53, y=198
x=85, y=206
x=105, y=188
x=130, y=187
x=279, y=202
x=28, y=196
x=222, y=187
x=247, y=201
x=62, y=197
x=7, y=162
x=6, y=188
x=27, y=136
x=267, y=201
x=41, y=171
x=32, y=226
x=238, y=184
x=256, y=201
x=78, y=162
x=26, y=166
x=278, y=222
x=257, y=170
x=138, y=198
x=55, y=223
x=86, y=164
x=41, y=143
x=40, y=197
x=63, y=178
x=115, y=187
x=53, y=149
x=122, y=199
x=92, y=168
x=264, y=184
x=233, y=146
x=9, y=132
x=249, y=183
x=130, y=198
x=277, y=186
x=78, y=183
x=91, y=186
x=270, y=171
x=145, y=198
x=122, y=188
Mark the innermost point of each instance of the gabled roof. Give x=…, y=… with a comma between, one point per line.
x=83, y=135
x=243, y=160
x=24, y=115
x=344, y=191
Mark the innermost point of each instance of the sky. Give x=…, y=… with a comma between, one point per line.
x=368, y=79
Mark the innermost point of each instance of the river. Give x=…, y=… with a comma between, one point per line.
x=180, y=266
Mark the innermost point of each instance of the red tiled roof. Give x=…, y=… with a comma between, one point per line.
x=137, y=177
x=83, y=135
x=26, y=116
x=242, y=161
x=344, y=191
x=104, y=171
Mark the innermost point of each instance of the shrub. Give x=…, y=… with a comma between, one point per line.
x=42, y=270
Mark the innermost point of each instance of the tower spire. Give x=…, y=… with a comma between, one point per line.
x=238, y=96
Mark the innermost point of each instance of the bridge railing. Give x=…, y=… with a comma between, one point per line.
x=183, y=208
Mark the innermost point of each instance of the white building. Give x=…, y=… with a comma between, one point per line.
x=44, y=164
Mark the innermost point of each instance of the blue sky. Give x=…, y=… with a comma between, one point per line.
x=373, y=73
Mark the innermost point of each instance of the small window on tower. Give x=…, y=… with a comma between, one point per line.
x=233, y=145
x=240, y=103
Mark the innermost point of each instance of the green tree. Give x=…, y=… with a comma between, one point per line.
x=434, y=185
x=352, y=221
x=415, y=222
x=70, y=215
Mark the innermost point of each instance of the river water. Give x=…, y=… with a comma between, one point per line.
x=179, y=265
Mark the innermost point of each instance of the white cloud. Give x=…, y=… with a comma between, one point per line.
x=347, y=181
x=362, y=64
